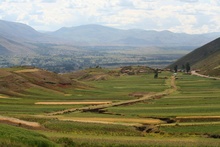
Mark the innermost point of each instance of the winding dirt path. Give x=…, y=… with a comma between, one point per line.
x=204, y=76
x=146, y=97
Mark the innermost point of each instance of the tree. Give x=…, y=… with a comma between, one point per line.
x=156, y=73
x=183, y=68
x=175, y=68
x=187, y=67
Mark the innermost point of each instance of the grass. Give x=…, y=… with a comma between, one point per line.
x=27, y=106
x=119, y=88
x=32, y=109
x=91, y=128
x=42, y=93
x=13, y=136
x=192, y=129
x=68, y=139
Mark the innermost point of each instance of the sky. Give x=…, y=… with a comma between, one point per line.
x=183, y=16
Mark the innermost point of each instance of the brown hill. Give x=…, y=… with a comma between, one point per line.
x=18, y=81
x=206, y=59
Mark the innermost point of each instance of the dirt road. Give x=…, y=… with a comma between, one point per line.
x=145, y=97
x=204, y=76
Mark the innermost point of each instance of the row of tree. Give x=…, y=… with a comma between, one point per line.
x=184, y=68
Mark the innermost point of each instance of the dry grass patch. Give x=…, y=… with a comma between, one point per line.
x=27, y=70
x=15, y=121
x=113, y=120
x=3, y=96
x=72, y=103
x=198, y=117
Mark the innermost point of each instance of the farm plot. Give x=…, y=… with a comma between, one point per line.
x=194, y=108
x=120, y=88
x=188, y=116
x=195, y=96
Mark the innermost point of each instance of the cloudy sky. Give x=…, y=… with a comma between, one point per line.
x=189, y=16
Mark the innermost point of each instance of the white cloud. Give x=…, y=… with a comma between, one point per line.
x=191, y=16
x=189, y=1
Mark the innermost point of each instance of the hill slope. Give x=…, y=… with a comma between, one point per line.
x=18, y=38
x=20, y=81
x=205, y=58
x=10, y=47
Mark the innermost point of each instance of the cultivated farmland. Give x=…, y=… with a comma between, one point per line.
x=118, y=110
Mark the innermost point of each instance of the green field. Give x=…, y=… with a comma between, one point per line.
x=187, y=116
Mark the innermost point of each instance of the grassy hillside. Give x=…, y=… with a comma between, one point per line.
x=210, y=65
x=205, y=58
x=14, y=136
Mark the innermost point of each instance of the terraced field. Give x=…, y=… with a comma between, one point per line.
x=126, y=110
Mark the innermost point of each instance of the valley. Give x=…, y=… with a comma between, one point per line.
x=77, y=58
x=93, y=85
x=166, y=111
x=75, y=48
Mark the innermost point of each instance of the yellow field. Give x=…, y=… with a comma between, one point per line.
x=27, y=70
x=72, y=103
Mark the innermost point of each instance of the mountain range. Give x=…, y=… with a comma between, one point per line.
x=102, y=35
x=18, y=38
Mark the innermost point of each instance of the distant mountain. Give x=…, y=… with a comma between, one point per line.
x=18, y=31
x=89, y=34
x=205, y=58
x=18, y=38
x=101, y=35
